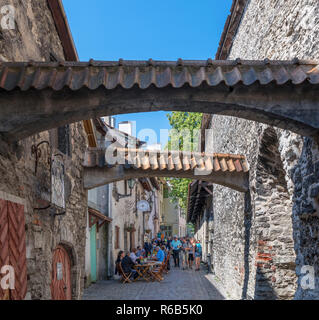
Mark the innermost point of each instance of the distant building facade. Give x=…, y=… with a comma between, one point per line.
x=173, y=220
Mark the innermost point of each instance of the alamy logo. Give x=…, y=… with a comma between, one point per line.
x=7, y=17
x=7, y=278
x=308, y=278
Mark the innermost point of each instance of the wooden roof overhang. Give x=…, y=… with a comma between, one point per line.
x=198, y=192
x=225, y=169
x=96, y=217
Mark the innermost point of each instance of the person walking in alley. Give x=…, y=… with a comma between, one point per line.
x=168, y=244
x=147, y=248
x=176, y=245
x=191, y=253
x=198, y=254
x=184, y=254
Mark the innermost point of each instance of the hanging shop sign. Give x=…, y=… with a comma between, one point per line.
x=57, y=182
x=143, y=205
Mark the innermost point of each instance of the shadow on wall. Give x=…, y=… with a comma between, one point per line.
x=305, y=176
x=263, y=288
x=247, y=223
x=268, y=228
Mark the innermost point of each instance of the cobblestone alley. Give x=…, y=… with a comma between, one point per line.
x=177, y=285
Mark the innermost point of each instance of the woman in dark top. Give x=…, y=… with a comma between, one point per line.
x=120, y=256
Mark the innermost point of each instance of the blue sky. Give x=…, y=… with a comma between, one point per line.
x=144, y=29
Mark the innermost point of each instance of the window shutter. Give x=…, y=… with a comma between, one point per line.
x=117, y=237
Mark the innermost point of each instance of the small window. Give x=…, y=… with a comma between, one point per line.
x=117, y=237
x=52, y=57
x=64, y=144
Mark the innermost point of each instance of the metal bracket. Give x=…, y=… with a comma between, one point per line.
x=51, y=214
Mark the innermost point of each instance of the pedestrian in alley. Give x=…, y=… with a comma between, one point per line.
x=168, y=244
x=176, y=245
x=184, y=255
x=147, y=248
x=198, y=254
x=191, y=253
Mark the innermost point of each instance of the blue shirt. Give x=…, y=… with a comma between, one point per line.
x=139, y=253
x=160, y=255
x=175, y=244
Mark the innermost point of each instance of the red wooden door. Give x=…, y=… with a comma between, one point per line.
x=61, y=275
x=13, y=248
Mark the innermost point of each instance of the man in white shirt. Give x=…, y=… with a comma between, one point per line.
x=133, y=255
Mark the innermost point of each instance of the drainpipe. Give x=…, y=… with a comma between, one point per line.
x=209, y=263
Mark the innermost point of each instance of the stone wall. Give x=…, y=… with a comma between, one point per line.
x=125, y=213
x=35, y=38
x=255, y=234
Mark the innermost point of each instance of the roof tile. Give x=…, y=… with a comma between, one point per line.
x=109, y=74
x=150, y=160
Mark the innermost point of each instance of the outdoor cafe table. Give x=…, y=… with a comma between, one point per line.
x=144, y=270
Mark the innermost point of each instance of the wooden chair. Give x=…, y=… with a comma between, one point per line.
x=125, y=276
x=166, y=262
x=158, y=271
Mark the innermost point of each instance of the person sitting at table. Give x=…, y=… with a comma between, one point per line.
x=134, y=256
x=140, y=252
x=120, y=256
x=160, y=256
x=127, y=266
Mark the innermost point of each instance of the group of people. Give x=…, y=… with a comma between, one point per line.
x=129, y=259
x=185, y=250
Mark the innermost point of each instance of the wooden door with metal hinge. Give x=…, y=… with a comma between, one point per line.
x=61, y=275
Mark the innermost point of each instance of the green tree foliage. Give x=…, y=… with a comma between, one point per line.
x=185, y=130
x=184, y=136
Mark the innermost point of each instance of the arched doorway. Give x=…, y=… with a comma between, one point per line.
x=61, y=275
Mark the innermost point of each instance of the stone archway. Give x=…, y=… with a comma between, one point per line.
x=38, y=96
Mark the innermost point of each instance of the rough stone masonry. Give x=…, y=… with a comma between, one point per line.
x=35, y=38
x=263, y=238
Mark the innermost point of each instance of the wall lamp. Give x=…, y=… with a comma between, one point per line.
x=131, y=184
